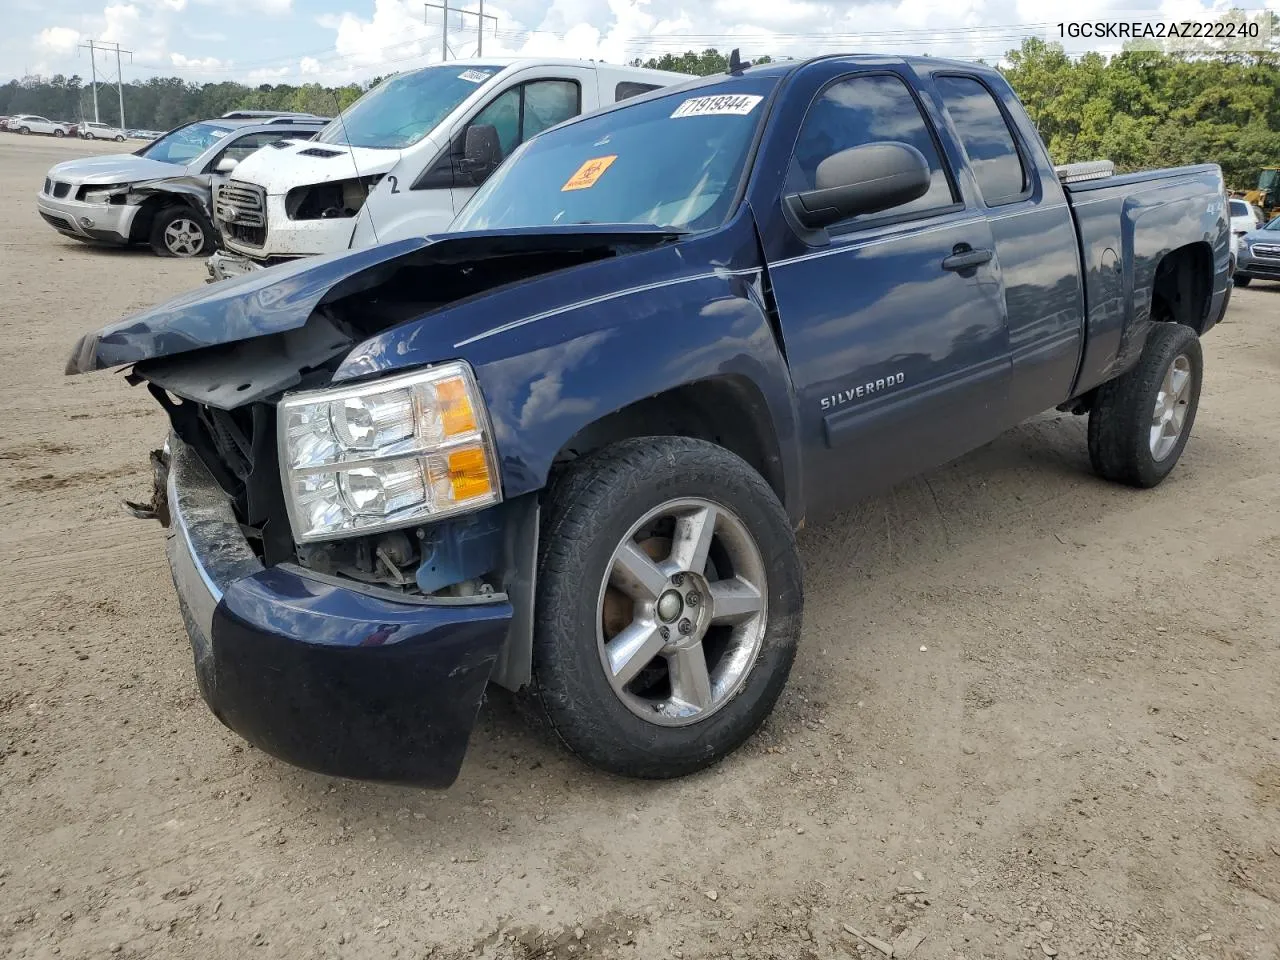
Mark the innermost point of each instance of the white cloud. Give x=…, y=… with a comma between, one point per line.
x=267, y=74
x=198, y=63
x=58, y=39
x=310, y=66
x=395, y=31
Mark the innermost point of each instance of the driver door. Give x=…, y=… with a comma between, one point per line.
x=895, y=323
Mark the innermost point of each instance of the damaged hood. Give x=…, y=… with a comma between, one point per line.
x=113, y=168
x=283, y=297
x=302, y=163
x=255, y=305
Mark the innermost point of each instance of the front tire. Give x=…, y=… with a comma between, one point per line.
x=119, y=139
x=630, y=683
x=24, y=130
x=1140, y=421
x=179, y=231
x=1240, y=281
x=59, y=133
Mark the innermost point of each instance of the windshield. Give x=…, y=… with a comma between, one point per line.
x=674, y=161
x=1273, y=225
x=1268, y=179
x=186, y=143
x=1238, y=208
x=401, y=111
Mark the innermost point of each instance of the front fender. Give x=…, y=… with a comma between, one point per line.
x=626, y=350
x=548, y=377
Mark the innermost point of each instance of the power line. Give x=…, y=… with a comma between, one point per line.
x=914, y=37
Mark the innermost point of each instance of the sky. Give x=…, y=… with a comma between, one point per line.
x=334, y=41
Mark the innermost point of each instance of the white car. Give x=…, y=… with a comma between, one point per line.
x=91, y=130
x=396, y=163
x=1245, y=218
x=30, y=123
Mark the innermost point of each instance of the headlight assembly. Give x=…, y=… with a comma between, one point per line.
x=394, y=452
x=113, y=193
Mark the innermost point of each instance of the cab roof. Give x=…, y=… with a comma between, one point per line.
x=505, y=62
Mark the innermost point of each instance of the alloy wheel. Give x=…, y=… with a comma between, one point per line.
x=682, y=612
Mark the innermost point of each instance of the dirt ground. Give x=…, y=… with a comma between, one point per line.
x=1034, y=714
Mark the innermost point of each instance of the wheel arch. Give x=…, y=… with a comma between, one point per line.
x=728, y=410
x=1182, y=291
x=140, y=229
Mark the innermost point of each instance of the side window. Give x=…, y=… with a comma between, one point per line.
x=546, y=103
x=987, y=139
x=241, y=148
x=503, y=114
x=630, y=88
x=862, y=110
x=530, y=108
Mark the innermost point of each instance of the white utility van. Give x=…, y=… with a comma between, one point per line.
x=405, y=157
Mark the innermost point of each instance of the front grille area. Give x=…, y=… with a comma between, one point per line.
x=241, y=211
x=1263, y=250
x=62, y=223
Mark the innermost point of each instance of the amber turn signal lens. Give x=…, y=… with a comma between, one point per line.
x=454, y=405
x=469, y=474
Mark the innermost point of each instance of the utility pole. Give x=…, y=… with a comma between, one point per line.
x=443, y=6
x=120, y=82
x=93, y=72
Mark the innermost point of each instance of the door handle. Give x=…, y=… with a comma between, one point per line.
x=966, y=258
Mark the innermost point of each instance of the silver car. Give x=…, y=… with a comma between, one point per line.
x=1258, y=257
x=162, y=194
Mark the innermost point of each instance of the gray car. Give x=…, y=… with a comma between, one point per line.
x=160, y=195
x=1258, y=257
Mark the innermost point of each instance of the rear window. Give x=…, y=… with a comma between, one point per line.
x=987, y=139
x=1239, y=208
x=630, y=88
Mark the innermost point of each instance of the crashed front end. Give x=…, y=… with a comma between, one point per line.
x=105, y=213
x=87, y=212
x=318, y=670
x=342, y=554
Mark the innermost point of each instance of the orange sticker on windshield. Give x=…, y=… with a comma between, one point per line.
x=589, y=173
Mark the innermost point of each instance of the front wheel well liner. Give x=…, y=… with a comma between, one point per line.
x=729, y=411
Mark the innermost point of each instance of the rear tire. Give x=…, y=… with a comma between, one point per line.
x=181, y=231
x=1140, y=421
x=59, y=133
x=702, y=679
x=1241, y=281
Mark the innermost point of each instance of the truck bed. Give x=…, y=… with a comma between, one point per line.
x=1127, y=225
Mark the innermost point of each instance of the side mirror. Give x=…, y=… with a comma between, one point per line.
x=481, y=152
x=226, y=165
x=861, y=180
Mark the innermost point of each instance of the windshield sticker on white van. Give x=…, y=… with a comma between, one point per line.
x=736, y=105
x=473, y=76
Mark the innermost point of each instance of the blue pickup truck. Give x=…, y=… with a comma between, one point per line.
x=564, y=448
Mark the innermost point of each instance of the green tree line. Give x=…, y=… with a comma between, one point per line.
x=1138, y=108
x=1141, y=109
x=162, y=103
